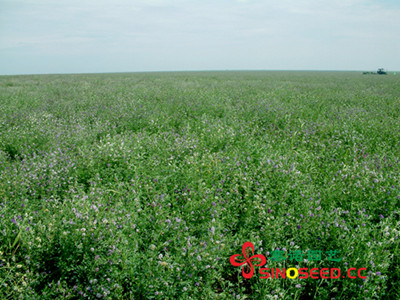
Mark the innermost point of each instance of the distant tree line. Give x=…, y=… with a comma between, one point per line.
x=380, y=71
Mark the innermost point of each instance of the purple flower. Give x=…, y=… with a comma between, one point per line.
x=13, y=220
x=381, y=216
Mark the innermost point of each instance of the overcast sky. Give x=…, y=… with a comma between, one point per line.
x=84, y=36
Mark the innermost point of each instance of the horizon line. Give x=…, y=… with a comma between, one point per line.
x=194, y=71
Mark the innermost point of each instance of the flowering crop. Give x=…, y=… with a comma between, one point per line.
x=134, y=186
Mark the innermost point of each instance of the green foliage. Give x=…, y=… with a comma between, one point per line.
x=133, y=186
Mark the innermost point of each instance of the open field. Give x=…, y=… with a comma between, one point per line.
x=144, y=185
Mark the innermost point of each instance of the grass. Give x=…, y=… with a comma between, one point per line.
x=123, y=186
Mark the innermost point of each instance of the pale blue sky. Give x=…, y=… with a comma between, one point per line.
x=84, y=36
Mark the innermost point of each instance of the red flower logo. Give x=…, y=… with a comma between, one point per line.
x=248, y=270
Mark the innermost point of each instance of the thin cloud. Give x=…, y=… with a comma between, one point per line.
x=138, y=35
